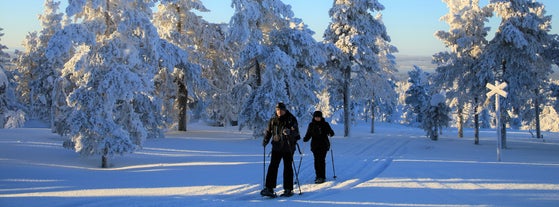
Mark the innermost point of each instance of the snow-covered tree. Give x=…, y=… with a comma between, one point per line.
x=552, y=49
x=457, y=71
x=221, y=106
x=435, y=115
x=10, y=114
x=485, y=119
x=549, y=120
x=418, y=92
x=109, y=78
x=384, y=96
x=429, y=106
x=515, y=55
x=36, y=82
x=303, y=82
x=178, y=23
x=404, y=112
x=4, y=56
x=354, y=31
x=276, y=62
x=4, y=84
x=554, y=88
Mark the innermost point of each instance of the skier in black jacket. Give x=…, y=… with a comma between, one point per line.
x=318, y=131
x=283, y=130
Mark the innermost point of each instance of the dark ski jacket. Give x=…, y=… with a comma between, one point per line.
x=275, y=132
x=319, y=131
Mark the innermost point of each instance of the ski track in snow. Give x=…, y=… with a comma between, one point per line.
x=375, y=157
x=374, y=154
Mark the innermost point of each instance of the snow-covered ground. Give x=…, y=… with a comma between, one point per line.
x=396, y=166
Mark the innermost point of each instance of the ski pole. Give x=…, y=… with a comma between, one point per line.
x=264, y=168
x=296, y=176
x=293, y=163
x=333, y=168
x=301, y=155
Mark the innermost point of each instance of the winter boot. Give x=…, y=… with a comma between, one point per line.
x=319, y=180
x=268, y=192
x=287, y=193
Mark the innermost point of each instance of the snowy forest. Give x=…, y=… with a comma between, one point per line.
x=109, y=74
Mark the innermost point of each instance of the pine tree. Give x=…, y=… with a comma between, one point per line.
x=10, y=114
x=554, y=88
x=418, y=92
x=552, y=49
x=109, y=77
x=552, y=53
x=384, y=93
x=4, y=56
x=303, y=82
x=276, y=62
x=515, y=55
x=36, y=82
x=404, y=112
x=457, y=68
x=354, y=31
x=436, y=116
x=203, y=41
x=4, y=84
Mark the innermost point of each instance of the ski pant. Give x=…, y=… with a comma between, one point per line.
x=271, y=177
x=320, y=163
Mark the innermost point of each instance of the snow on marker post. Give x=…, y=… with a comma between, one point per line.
x=497, y=90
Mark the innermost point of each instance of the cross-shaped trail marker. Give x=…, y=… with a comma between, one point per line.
x=497, y=90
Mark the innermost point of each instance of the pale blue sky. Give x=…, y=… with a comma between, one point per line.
x=410, y=23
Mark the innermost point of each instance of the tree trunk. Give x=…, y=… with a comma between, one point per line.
x=537, y=106
x=347, y=76
x=460, y=123
x=105, y=158
x=104, y=161
x=503, y=135
x=182, y=105
x=179, y=23
x=476, y=129
x=502, y=112
x=258, y=73
x=33, y=110
x=476, y=125
x=435, y=135
x=373, y=116
x=108, y=21
x=182, y=92
x=53, y=106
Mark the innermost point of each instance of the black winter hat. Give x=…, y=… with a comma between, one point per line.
x=281, y=106
x=317, y=114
